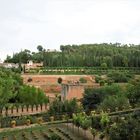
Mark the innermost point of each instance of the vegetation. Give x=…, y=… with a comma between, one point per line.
x=108, y=108
x=120, y=77
x=59, y=80
x=83, y=80
x=13, y=91
x=94, y=97
x=66, y=107
x=86, y=55
x=40, y=132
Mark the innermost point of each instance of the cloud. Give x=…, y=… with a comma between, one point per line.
x=26, y=23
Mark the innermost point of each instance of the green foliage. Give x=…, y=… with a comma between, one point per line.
x=93, y=132
x=85, y=55
x=39, y=48
x=104, y=65
x=104, y=119
x=95, y=122
x=59, y=107
x=12, y=90
x=97, y=78
x=31, y=95
x=21, y=57
x=55, y=137
x=125, y=130
x=112, y=102
x=110, y=81
x=119, y=77
x=133, y=92
x=10, y=83
x=102, y=82
x=82, y=120
x=83, y=80
x=101, y=135
x=94, y=97
x=85, y=123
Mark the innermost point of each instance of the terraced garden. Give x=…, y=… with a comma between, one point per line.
x=44, y=132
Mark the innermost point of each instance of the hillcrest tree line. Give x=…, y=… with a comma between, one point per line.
x=85, y=55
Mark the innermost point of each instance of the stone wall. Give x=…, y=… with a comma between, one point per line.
x=70, y=91
x=23, y=110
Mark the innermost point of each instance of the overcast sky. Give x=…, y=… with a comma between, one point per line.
x=24, y=24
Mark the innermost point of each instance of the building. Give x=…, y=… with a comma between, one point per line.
x=9, y=65
x=75, y=90
x=31, y=65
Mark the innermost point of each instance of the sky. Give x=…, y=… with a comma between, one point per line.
x=25, y=24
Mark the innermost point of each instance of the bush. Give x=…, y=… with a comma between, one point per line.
x=104, y=65
x=101, y=135
x=102, y=82
x=97, y=79
x=125, y=130
x=111, y=102
x=83, y=80
x=110, y=81
x=59, y=80
x=119, y=77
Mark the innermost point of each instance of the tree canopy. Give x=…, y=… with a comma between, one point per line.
x=85, y=55
x=12, y=90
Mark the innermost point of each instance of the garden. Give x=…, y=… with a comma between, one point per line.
x=110, y=112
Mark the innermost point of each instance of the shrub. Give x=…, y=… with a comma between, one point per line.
x=83, y=80
x=97, y=79
x=13, y=123
x=28, y=121
x=93, y=132
x=102, y=82
x=101, y=135
x=119, y=76
x=125, y=130
x=59, y=80
x=104, y=65
x=112, y=102
x=40, y=120
x=110, y=81
x=30, y=79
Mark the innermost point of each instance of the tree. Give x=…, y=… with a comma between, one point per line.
x=85, y=55
x=133, y=92
x=120, y=77
x=59, y=80
x=39, y=48
x=111, y=102
x=104, y=65
x=93, y=97
x=125, y=130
